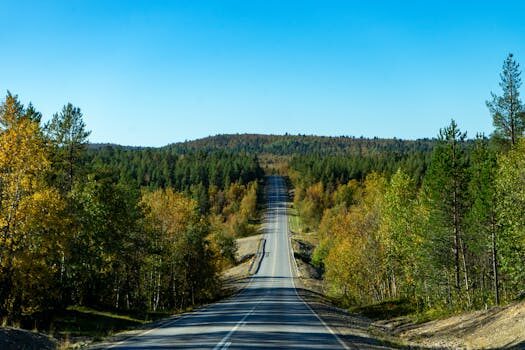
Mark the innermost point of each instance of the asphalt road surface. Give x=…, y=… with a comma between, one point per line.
x=267, y=314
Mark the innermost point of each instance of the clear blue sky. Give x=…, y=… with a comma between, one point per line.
x=156, y=72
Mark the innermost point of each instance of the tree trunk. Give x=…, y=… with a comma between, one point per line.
x=495, y=262
x=456, y=254
x=455, y=220
x=464, y=258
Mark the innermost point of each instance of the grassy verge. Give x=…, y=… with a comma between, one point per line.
x=385, y=310
x=294, y=221
x=402, y=308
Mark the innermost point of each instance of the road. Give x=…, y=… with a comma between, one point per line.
x=267, y=314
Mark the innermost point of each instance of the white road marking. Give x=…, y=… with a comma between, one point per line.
x=274, y=258
x=223, y=344
x=239, y=324
x=291, y=258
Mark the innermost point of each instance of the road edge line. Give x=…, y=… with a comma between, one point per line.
x=293, y=262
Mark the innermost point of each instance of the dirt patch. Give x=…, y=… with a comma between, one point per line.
x=257, y=259
x=247, y=247
x=234, y=278
x=19, y=339
x=498, y=327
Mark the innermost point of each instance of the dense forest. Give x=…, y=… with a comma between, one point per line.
x=194, y=173
x=115, y=228
x=443, y=230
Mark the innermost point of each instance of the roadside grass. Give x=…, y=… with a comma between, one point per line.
x=433, y=314
x=386, y=309
x=294, y=221
x=404, y=308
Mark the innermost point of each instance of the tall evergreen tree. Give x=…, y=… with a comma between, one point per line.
x=507, y=111
x=68, y=133
x=32, y=114
x=446, y=187
x=481, y=218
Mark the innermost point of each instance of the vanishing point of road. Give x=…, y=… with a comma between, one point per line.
x=267, y=314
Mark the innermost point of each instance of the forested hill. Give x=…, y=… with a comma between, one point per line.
x=239, y=156
x=304, y=144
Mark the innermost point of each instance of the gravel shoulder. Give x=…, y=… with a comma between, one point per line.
x=495, y=328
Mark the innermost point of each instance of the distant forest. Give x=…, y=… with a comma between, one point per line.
x=333, y=159
x=304, y=144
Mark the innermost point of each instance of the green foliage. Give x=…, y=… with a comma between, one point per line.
x=508, y=114
x=510, y=186
x=106, y=241
x=226, y=246
x=386, y=309
x=319, y=146
x=449, y=242
x=320, y=253
x=400, y=232
x=481, y=220
x=335, y=170
x=68, y=135
x=190, y=172
x=445, y=189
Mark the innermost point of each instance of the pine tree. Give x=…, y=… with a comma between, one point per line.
x=68, y=133
x=446, y=188
x=507, y=110
x=481, y=218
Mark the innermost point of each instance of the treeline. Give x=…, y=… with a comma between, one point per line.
x=110, y=229
x=453, y=238
x=288, y=145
